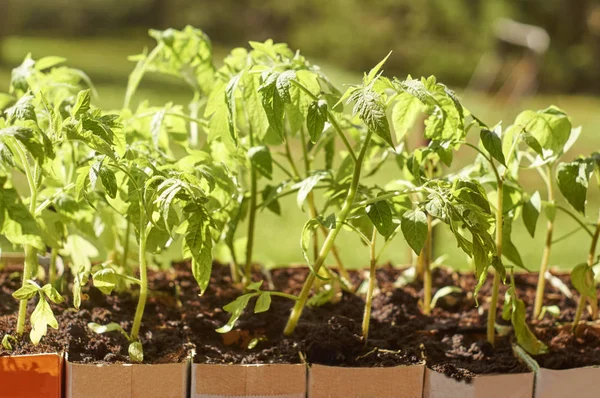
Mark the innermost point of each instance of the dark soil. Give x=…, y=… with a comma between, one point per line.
x=177, y=318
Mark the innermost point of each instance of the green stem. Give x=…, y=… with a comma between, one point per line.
x=52, y=268
x=576, y=218
x=31, y=262
x=139, y=312
x=372, y=280
x=491, y=321
x=590, y=263
x=541, y=285
x=329, y=241
x=126, y=245
x=426, y=264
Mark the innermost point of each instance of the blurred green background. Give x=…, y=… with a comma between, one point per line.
x=462, y=42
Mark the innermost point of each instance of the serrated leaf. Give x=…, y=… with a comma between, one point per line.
x=82, y=103
x=198, y=243
x=573, y=181
x=235, y=308
x=263, y=303
x=370, y=109
x=493, y=144
x=315, y=119
x=380, y=214
x=531, y=212
x=405, y=112
x=283, y=85
x=109, y=181
x=413, y=224
x=260, y=157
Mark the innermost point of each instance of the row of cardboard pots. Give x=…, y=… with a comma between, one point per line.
x=42, y=376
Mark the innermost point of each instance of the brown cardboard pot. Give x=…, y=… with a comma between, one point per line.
x=519, y=385
x=256, y=381
x=579, y=382
x=127, y=380
x=38, y=375
x=340, y=382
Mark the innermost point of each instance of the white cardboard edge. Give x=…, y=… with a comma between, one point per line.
x=580, y=382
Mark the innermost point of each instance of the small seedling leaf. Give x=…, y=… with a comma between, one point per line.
x=105, y=280
x=26, y=292
x=41, y=318
x=235, y=308
x=263, y=303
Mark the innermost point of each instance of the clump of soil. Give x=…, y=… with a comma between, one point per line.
x=570, y=350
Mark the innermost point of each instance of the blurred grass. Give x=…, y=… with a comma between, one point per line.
x=105, y=60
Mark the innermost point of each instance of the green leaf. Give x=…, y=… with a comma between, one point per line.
x=550, y=127
x=26, y=292
x=52, y=294
x=531, y=212
x=263, y=303
x=573, y=181
x=316, y=118
x=260, y=156
x=283, y=85
x=509, y=250
x=235, y=308
x=306, y=186
x=48, y=62
x=373, y=72
x=82, y=103
x=370, y=109
x=414, y=228
x=6, y=342
x=533, y=143
x=109, y=181
x=105, y=280
x=380, y=214
x=525, y=336
x=493, y=144
x=23, y=109
x=307, y=233
x=198, y=243
x=136, y=352
x=41, y=318
x=269, y=194
x=405, y=112
x=582, y=277
x=272, y=103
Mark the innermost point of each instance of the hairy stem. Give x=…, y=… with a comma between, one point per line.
x=541, y=285
x=590, y=263
x=139, y=311
x=329, y=241
x=425, y=260
x=31, y=262
x=372, y=280
x=491, y=321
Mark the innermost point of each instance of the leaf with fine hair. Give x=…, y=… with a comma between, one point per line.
x=371, y=110
x=405, y=112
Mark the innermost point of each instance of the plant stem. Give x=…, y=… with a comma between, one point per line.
x=251, y=217
x=491, y=321
x=31, y=262
x=52, y=267
x=126, y=246
x=372, y=280
x=329, y=241
x=590, y=263
x=426, y=264
x=539, y=294
x=139, y=312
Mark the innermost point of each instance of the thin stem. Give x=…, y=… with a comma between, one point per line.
x=590, y=263
x=329, y=241
x=389, y=195
x=491, y=321
x=52, y=267
x=31, y=262
x=372, y=280
x=574, y=217
x=139, y=312
x=284, y=295
x=251, y=217
x=126, y=245
x=541, y=285
x=426, y=263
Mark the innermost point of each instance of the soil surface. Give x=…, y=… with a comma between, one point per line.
x=177, y=319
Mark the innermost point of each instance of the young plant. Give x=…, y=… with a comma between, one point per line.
x=573, y=180
x=48, y=112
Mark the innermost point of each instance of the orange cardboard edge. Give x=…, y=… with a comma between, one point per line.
x=127, y=380
x=518, y=385
x=272, y=380
x=34, y=375
x=404, y=381
x=583, y=382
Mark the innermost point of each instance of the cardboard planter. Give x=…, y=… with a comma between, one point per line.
x=580, y=382
x=127, y=380
x=256, y=381
x=37, y=375
x=519, y=385
x=340, y=382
